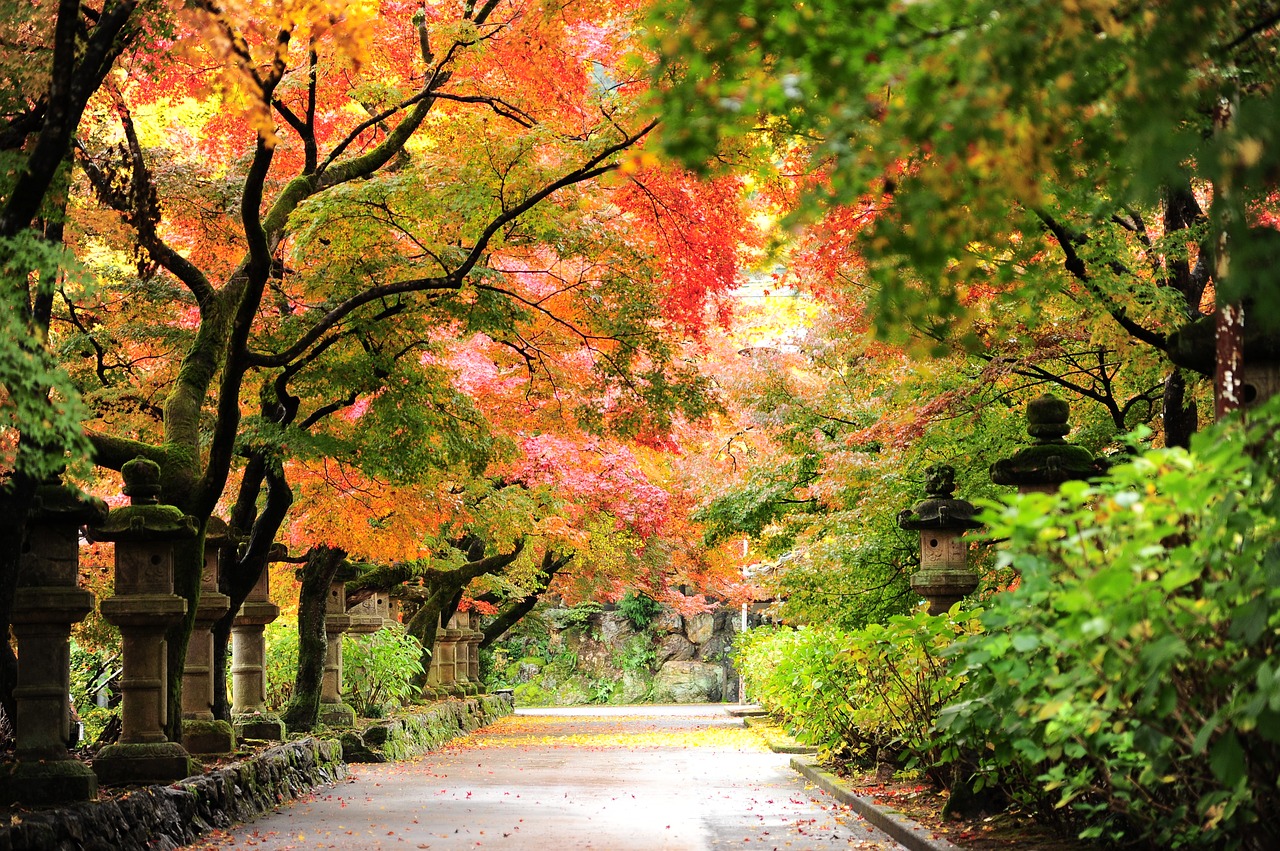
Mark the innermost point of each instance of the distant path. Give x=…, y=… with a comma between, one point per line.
x=633, y=778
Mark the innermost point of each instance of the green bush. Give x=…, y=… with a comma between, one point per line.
x=1130, y=686
x=281, y=662
x=381, y=670
x=578, y=616
x=870, y=695
x=639, y=609
x=91, y=671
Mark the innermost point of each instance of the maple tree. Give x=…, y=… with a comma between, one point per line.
x=55, y=57
x=294, y=213
x=989, y=135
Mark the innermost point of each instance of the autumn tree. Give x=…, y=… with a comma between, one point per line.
x=54, y=58
x=1128, y=154
x=311, y=231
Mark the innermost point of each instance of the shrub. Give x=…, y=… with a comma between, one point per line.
x=92, y=671
x=281, y=662
x=639, y=609
x=870, y=694
x=1129, y=687
x=381, y=670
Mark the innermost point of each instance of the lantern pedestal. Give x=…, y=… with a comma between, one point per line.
x=143, y=608
x=201, y=732
x=333, y=712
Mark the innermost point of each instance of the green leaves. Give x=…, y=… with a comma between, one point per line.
x=1133, y=665
x=41, y=414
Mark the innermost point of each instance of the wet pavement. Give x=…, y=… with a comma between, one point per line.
x=618, y=778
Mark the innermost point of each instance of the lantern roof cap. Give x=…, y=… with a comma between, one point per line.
x=1050, y=459
x=939, y=509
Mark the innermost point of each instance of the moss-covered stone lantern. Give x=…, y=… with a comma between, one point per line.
x=201, y=732
x=333, y=711
x=45, y=605
x=944, y=577
x=248, y=662
x=143, y=608
x=1050, y=460
x=474, y=638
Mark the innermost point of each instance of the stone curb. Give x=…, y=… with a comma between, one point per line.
x=915, y=837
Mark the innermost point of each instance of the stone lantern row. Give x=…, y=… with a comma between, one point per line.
x=144, y=607
x=455, y=664
x=945, y=577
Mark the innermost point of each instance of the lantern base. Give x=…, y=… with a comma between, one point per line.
x=144, y=764
x=259, y=725
x=337, y=715
x=47, y=782
x=207, y=737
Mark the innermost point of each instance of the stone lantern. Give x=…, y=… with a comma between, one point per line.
x=248, y=664
x=473, y=657
x=365, y=618
x=382, y=604
x=395, y=607
x=1050, y=460
x=1194, y=347
x=462, y=653
x=45, y=605
x=333, y=711
x=442, y=678
x=143, y=608
x=201, y=733
x=944, y=577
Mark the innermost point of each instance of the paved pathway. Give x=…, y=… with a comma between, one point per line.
x=621, y=779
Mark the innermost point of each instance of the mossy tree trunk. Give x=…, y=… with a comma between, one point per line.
x=303, y=712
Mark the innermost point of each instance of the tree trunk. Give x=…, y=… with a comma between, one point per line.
x=303, y=711
x=1230, y=357
x=511, y=614
x=1181, y=416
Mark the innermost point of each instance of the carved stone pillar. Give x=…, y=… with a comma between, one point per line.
x=333, y=711
x=249, y=665
x=476, y=637
x=449, y=663
x=47, y=602
x=143, y=608
x=201, y=733
x=435, y=688
x=462, y=655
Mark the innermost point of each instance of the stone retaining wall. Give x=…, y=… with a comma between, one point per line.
x=165, y=817
x=409, y=735
x=154, y=817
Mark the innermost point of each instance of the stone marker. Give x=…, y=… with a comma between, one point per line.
x=201, y=732
x=45, y=605
x=143, y=608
